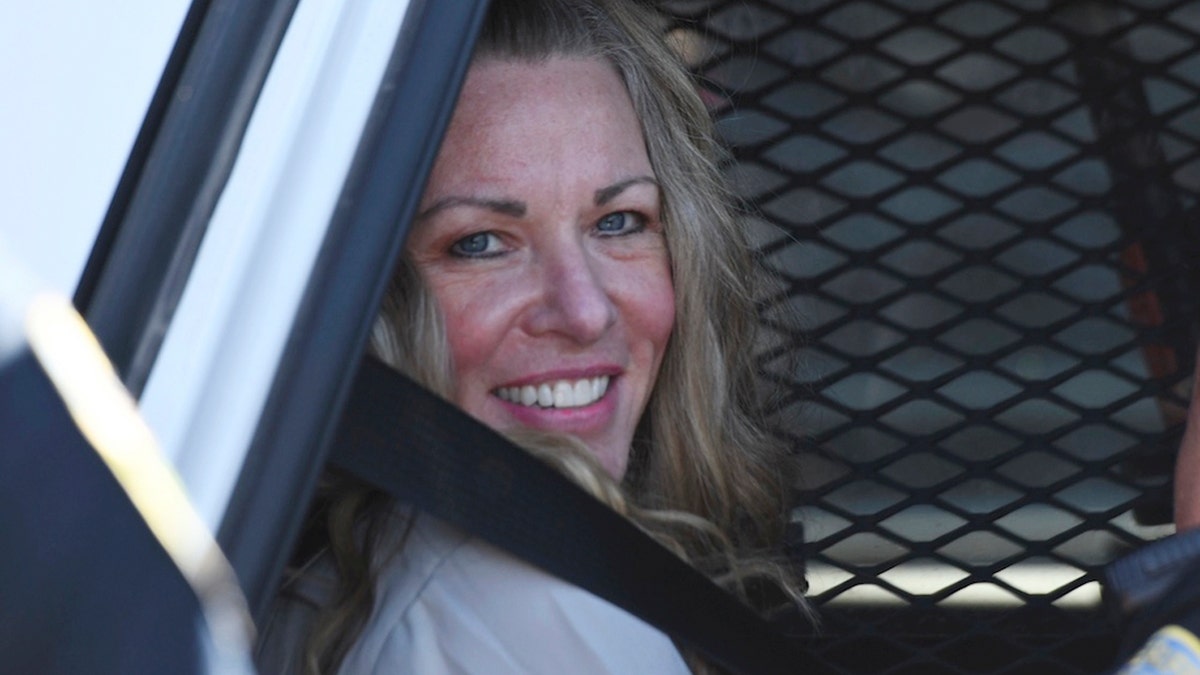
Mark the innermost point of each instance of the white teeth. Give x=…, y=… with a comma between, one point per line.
x=560, y=394
x=564, y=395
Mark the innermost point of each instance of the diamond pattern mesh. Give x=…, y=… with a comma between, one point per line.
x=978, y=217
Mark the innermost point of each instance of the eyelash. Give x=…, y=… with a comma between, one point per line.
x=456, y=249
x=639, y=222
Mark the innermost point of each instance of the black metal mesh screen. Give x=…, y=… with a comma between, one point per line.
x=982, y=215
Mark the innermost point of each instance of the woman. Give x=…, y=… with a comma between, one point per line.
x=575, y=278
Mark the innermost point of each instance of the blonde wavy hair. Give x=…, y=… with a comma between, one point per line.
x=705, y=477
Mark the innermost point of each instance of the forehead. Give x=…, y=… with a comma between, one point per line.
x=563, y=114
x=496, y=87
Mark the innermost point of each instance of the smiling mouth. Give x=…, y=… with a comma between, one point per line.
x=557, y=394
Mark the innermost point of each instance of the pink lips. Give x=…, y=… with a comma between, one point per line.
x=578, y=420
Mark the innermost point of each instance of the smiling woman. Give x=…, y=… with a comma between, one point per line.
x=577, y=280
x=543, y=248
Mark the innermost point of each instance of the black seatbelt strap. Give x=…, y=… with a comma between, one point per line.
x=424, y=451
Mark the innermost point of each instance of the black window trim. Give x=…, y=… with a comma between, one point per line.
x=181, y=159
x=330, y=331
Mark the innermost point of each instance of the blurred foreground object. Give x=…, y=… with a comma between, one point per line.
x=106, y=568
x=1156, y=593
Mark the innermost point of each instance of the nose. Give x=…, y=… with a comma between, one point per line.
x=574, y=301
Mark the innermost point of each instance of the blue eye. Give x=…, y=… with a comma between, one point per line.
x=621, y=222
x=478, y=245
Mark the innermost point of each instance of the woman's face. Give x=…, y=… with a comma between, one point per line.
x=539, y=237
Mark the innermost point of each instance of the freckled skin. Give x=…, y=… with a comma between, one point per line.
x=544, y=171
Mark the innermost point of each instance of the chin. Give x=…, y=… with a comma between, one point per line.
x=613, y=465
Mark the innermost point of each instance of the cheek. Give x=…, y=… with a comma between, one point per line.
x=663, y=317
x=652, y=307
x=474, y=319
x=467, y=340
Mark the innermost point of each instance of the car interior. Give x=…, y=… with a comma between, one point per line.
x=976, y=218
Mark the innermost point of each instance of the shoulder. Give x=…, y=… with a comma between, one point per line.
x=449, y=603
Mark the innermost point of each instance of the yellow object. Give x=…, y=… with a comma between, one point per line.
x=108, y=418
x=1172, y=650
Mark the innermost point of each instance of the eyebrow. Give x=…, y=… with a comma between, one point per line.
x=516, y=208
x=606, y=194
x=507, y=207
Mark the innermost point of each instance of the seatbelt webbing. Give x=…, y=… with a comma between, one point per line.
x=424, y=451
